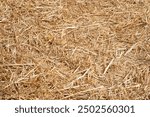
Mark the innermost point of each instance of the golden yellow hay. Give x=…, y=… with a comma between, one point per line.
x=75, y=49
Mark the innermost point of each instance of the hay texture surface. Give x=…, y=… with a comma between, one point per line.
x=75, y=49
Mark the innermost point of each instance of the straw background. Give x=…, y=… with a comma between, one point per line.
x=75, y=49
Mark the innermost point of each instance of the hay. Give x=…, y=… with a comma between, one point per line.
x=75, y=49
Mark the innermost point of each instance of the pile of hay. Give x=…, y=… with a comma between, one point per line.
x=75, y=49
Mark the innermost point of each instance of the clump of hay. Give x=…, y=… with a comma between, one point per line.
x=74, y=49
